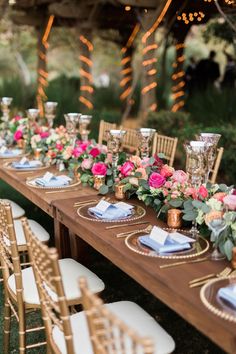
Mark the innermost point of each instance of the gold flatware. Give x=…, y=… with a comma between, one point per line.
x=61, y=190
x=84, y=202
x=224, y=273
x=124, y=225
x=24, y=171
x=213, y=275
x=125, y=234
x=184, y=262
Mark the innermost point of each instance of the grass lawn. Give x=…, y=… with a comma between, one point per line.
x=119, y=286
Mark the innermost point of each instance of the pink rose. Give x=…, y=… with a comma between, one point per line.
x=168, y=184
x=59, y=146
x=166, y=171
x=99, y=168
x=44, y=135
x=76, y=152
x=230, y=201
x=94, y=152
x=82, y=145
x=127, y=168
x=18, y=135
x=219, y=196
x=158, y=162
x=86, y=164
x=16, y=118
x=180, y=176
x=175, y=194
x=191, y=192
x=203, y=192
x=156, y=180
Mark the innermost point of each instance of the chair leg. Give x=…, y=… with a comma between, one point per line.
x=22, y=333
x=7, y=327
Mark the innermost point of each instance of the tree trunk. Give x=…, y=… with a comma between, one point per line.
x=86, y=79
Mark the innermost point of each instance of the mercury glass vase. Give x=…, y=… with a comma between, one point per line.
x=5, y=104
x=211, y=139
x=145, y=136
x=84, y=121
x=72, y=122
x=115, y=137
x=50, y=112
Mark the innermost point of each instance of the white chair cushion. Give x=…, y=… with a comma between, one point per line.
x=17, y=211
x=71, y=271
x=131, y=314
x=36, y=228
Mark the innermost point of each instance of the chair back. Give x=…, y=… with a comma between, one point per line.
x=47, y=274
x=102, y=130
x=130, y=141
x=216, y=166
x=108, y=333
x=9, y=254
x=166, y=145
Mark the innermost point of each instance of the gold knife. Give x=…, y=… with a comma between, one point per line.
x=184, y=262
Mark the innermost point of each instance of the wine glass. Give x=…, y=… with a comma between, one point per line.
x=217, y=223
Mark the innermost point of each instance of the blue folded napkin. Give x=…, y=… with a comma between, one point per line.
x=27, y=164
x=169, y=246
x=112, y=212
x=10, y=152
x=228, y=293
x=54, y=181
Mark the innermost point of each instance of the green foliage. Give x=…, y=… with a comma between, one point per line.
x=219, y=31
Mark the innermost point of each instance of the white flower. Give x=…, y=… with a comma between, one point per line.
x=214, y=204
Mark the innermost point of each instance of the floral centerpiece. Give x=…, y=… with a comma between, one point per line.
x=18, y=129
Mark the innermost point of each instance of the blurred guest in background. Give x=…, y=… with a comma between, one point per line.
x=190, y=76
x=229, y=73
x=207, y=72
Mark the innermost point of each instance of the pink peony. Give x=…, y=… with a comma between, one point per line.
x=203, y=192
x=166, y=171
x=219, y=196
x=127, y=168
x=180, y=176
x=230, y=201
x=94, y=152
x=99, y=168
x=76, y=152
x=156, y=180
x=86, y=164
x=18, y=135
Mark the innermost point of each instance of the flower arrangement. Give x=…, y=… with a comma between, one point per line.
x=18, y=129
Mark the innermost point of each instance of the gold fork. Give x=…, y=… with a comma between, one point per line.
x=128, y=233
x=224, y=273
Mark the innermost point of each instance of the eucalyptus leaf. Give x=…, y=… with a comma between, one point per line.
x=161, y=155
x=138, y=174
x=151, y=161
x=127, y=186
x=190, y=216
x=223, y=187
x=109, y=172
x=103, y=189
x=188, y=205
x=110, y=182
x=176, y=203
x=227, y=247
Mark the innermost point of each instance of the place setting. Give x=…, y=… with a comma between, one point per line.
x=9, y=153
x=25, y=164
x=167, y=243
x=108, y=211
x=52, y=181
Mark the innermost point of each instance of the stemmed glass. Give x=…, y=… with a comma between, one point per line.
x=145, y=136
x=32, y=115
x=217, y=223
x=115, y=137
x=72, y=121
x=84, y=121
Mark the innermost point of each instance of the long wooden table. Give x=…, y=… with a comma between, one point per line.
x=169, y=285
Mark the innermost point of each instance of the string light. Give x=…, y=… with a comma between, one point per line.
x=86, y=89
x=127, y=8
x=127, y=70
x=177, y=77
x=191, y=17
x=43, y=74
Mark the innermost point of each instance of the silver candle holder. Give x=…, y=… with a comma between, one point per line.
x=84, y=121
x=72, y=122
x=5, y=104
x=145, y=136
x=212, y=140
x=50, y=112
x=115, y=137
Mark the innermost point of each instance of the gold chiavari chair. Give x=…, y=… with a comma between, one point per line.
x=166, y=145
x=17, y=210
x=68, y=333
x=122, y=327
x=102, y=130
x=21, y=292
x=216, y=166
x=130, y=141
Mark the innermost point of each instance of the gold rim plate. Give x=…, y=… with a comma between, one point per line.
x=31, y=183
x=137, y=213
x=8, y=165
x=198, y=248
x=209, y=297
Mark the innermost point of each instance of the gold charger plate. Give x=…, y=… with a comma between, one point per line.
x=199, y=247
x=137, y=213
x=9, y=166
x=31, y=183
x=213, y=303
x=18, y=153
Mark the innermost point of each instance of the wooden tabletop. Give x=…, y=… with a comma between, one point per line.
x=170, y=285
